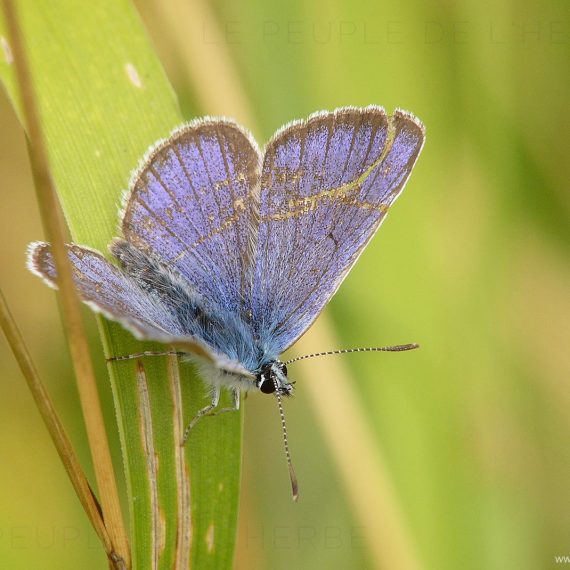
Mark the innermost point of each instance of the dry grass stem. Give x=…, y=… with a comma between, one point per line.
x=51, y=218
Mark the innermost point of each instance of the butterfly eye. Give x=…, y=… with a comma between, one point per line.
x=265, y=385
x=284, y=369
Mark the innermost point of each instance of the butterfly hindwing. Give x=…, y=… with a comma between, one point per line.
x=326, y=186
x=105, y=288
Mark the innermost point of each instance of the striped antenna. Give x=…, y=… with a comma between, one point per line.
x=396, y=348
x=292, y=476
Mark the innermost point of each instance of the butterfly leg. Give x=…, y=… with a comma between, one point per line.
x=141, y=354
x=234, y=408
x=210, y=410
x=206, y=410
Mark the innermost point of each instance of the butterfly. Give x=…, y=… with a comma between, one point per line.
x=229, y=252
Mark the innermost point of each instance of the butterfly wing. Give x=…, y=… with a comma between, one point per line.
x=326, y=185
x=106, y=289
x=193, y=203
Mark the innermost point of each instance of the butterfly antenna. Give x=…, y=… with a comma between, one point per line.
x=292, y=476
x=396, y=348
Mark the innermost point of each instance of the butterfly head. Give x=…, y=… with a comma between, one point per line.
x=273, y=378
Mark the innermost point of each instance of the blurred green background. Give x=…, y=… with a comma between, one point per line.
x=472, y=431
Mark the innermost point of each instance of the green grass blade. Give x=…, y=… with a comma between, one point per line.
x=103, y=100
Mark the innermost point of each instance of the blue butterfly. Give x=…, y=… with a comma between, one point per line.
x=230, y=253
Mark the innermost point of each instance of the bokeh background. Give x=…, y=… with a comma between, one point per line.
x=471, y=434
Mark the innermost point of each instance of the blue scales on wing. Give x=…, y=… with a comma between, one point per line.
x=193, y=205
x=326, y=186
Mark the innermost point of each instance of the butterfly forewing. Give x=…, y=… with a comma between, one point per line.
x=326, y=186
x=193, y=205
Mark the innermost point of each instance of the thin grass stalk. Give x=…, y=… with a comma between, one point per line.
x=51, y=218
x=56, y=430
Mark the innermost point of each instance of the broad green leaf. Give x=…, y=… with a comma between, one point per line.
x=104, y=99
